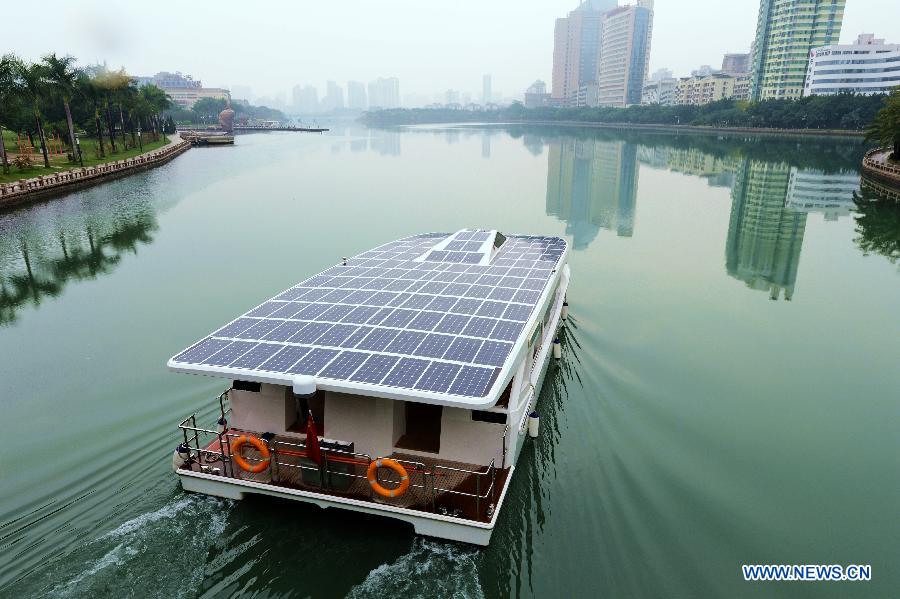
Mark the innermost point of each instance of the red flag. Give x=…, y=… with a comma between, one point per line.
x=312, y=441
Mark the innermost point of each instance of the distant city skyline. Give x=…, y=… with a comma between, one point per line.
x=512, y=42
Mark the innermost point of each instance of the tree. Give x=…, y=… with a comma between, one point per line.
x=92, y=91
x=885, y=128
x=156, y=102
x=31, y=85
x=7, y=102
x=62, y=75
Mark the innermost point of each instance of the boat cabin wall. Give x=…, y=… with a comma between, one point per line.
x=376, y=426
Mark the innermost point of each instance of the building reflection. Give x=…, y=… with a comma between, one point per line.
x=718, y=171
x=592, y=185
x=385, y=142
x=764, y=236
x=811, y=190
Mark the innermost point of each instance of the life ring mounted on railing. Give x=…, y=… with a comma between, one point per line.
x=260, y=446
x=371, y=474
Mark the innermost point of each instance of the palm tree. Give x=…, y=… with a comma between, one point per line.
x=157, y=102
x=111, y=83
x=89, y=88
x=63, y=76
x=32, y=87
x=7, y=98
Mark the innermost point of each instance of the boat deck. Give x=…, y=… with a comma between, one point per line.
x=436, y=486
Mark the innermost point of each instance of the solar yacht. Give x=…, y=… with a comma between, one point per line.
x=401, y=382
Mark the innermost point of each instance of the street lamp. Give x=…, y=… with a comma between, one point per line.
x=78, y=146
x=140, y=141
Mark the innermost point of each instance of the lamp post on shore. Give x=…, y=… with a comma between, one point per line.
x=78, y=147
x=140, y=141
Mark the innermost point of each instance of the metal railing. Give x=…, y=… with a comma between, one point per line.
x=426, y=479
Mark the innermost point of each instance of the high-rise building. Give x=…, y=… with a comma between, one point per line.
x=736, y=64
x=786, y=31
x=576, y=44
x=305, y=99
x=356, y=95
x=486, y=94
x=384, y=93
x=764, y=237
x=866, y=67
x=624, y=54
x=334, y=96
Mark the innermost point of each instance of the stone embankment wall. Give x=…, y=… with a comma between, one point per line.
x=875, y=164
x=42, y=187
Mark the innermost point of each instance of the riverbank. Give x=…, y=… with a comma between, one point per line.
x=696, y=128
x=24, y=191
x=704, y=129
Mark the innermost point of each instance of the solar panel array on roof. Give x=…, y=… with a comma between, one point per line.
x=392, y=319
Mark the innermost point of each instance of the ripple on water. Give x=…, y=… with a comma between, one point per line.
x=430, y=569
x=152, y=555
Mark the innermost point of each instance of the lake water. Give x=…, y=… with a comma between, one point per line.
x=728, y=393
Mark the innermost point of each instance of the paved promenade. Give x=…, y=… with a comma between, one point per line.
x=44, y=186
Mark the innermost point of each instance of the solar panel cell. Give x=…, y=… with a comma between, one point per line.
x=452, y=324
x=438, y=377
x=314, y=361
x=310, y=332
x=493, y=353
x=284, y=359
x=473, y=381
x=463, y=349
x=405, y=342
x=229, y=353
x=256, y=356
x=344, y=365
x=378, y=339
x=374, y=369
x=434, y=345
x=406, y=372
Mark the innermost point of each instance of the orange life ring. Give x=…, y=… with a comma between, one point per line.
x=236, y=446
x=396, y=467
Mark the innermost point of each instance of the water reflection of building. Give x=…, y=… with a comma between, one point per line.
x=717, y=170
x=812, y=190
x=385, y=142
x=764, y=236
x=592, y=185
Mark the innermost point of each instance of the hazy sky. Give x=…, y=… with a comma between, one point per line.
x=431, y=46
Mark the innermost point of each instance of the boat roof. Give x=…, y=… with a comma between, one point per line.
x=435, y=318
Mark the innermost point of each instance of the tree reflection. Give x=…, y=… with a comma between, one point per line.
x=877, y=224
x=91, y=248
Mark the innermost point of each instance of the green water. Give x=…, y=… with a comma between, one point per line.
x=728, y=393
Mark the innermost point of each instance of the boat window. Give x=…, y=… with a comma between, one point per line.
x=246, y=386
x=499, y=239
x=423, y=427
x=493, y=417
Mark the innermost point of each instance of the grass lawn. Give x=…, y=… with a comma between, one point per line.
x=61, y=162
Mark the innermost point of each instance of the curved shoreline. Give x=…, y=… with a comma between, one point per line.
x=875, y=164
x=25, y=191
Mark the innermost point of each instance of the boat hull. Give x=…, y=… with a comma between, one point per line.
x=426, y=524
